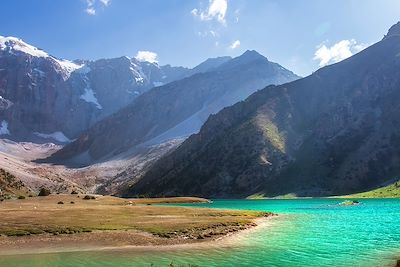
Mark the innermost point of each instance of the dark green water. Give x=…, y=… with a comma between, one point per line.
x=308, y=232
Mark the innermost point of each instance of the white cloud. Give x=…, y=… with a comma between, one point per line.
x=195, y=12
x=147, y=56
x=208, y=33
x=105, y=2
x=235, y=44
x=90, y=11
x=337, y=52
x=216, y=10
x=237, y=13
x=214, y=33
x=91, y=5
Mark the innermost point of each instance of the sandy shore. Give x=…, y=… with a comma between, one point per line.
x=120, y=240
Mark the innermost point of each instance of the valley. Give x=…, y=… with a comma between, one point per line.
x=200, y=133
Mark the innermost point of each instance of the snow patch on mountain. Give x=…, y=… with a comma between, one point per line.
x=57, y=136
x=12, y=44
x=138, y=74
x=68, y=66
x=40, y=72
x=4, y=128
x=89, y=96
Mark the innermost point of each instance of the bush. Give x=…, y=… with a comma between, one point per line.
x=72, y=202
x=60, y=202
x=74, y=192
x=44, y=192
x=21, y=197
x=87, y=197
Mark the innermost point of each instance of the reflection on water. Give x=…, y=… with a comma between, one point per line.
x=308, y=232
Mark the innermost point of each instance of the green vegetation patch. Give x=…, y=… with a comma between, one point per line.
x=389, y=191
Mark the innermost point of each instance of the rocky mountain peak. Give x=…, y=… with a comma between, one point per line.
x=252, y=55
x=394, y=30
x=15, y=44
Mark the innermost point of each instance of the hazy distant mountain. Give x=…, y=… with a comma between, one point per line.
x=177, y=109
x=46, y=98
x=333, y=132
x=210, y=64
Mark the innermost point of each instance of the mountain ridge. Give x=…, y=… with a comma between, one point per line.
x=330, y=133
x=44, y=98
x=183, y=106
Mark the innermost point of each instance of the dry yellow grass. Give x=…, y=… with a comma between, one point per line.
x=43, y=215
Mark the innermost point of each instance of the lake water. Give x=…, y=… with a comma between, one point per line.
x=307, y=232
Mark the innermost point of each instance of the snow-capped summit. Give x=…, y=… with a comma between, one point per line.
x=15, y=45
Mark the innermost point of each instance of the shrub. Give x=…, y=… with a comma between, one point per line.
x=87, y=197
x=21, y=197
x=60, y=202
x=72, y=202
x=44, y=192
x=74, y=192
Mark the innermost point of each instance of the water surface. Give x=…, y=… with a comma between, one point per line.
x=307, y=232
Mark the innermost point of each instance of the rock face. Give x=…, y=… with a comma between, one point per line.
x=333, y=132
x=174, y=110
x=45, y=98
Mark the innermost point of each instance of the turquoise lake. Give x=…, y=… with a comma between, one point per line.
x=307, y=232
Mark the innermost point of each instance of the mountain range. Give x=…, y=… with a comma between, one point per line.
x=227, y=128
x=175, y=110
x=110, y=118
x=46, y=99
x=331, y=133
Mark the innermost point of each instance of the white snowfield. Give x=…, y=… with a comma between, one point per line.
x=57, y=136
x=4, y=128
x=89, y=97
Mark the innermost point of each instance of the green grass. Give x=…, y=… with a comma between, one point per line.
x=389, y=191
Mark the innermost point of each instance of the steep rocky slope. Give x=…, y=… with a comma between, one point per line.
x=11, y=185
x=333, y=132
x=175, y=110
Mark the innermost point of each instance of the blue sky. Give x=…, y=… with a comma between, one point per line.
x=302, y=35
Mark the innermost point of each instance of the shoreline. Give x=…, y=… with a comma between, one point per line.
x=326, y=197
x=119, y=240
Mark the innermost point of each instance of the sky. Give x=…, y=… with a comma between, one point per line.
x=301, y=35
